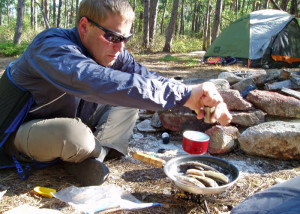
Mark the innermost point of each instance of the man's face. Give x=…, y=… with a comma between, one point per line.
x=102, y=51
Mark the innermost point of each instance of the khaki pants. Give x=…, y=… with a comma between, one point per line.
x=70, y=139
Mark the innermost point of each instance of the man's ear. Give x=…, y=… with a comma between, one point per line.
x=83, y=27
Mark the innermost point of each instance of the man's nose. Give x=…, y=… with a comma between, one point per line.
x=119, y=46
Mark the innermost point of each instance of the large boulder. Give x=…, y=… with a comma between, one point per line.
x=274, y=103
x=276, y=139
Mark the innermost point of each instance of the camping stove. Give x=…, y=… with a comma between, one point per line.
x=187, y=196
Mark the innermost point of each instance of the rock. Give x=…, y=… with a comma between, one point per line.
x=181, y=119
x=221, y=84
x=222, y=139
x=274, y=103
x=235, y=101
x=194, y=81
x=155, y=121
x=145, y=114
x=145, y=126
x=230, y=77
x=258, y=76
x=273, y=74
x=249, y=118
x=241, y=85
x=275, y=139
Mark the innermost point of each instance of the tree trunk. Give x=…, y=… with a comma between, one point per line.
x=54, y=13
x=236, y=8
x=44, y=16
x=208, y=40
x=46, y=9
x=217, y=20
x=72, y=13
x=248, y=5
x=8, y=17
x=0, y=13
x=59, y=13
x=66, y=13
x=284, y=4
x=134, y=25
x=243, y=6
x=20, y=19
x=266, y=4
x=181, y=31
x=294, y=9
x=146, y=24
x=198, y=18
x=171, y=27
x=163, y=18
x=275, y=5
x=77, y=5
x=194, y=17
x=205, y=26
x=32, y=13
x=152, y=20
x=35, y=17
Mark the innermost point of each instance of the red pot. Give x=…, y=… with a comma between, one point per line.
x=195, y=142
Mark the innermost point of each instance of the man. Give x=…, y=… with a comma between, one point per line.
x=87, y=90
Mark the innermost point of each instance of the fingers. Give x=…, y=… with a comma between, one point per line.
x=211, y=97
x=221, y=114
x=206, y=94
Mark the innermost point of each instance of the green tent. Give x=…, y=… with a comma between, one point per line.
x=262, y=38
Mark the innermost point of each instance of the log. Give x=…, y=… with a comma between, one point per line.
x=291, y=92
x=283, y=84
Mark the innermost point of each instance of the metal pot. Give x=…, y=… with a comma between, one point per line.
x=171, y=168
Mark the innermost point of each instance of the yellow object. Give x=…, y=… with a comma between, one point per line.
x=44, y=191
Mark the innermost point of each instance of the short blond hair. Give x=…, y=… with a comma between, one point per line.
x=99, y=10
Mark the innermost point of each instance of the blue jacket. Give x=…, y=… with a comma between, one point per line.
x=56, y=64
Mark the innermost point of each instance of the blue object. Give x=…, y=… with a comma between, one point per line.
x=278, y=199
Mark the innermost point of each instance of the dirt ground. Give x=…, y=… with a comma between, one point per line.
x=148, y=183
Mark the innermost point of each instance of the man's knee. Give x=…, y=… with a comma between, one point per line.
x=79, y=142
x=65, y=138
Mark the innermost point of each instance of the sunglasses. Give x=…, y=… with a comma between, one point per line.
x=112, y=36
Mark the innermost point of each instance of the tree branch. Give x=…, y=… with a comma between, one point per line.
x=44, y=16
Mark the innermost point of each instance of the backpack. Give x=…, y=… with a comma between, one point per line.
x=15, y=103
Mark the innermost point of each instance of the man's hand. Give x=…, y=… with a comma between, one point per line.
x=206, y=94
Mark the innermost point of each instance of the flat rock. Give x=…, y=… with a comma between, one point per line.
x=248, y=118
x=181, y=119
x=145, y=126
x=275, y=139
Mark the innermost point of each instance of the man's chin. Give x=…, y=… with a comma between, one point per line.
x=107, y=64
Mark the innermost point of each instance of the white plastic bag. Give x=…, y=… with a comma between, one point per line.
x=94, y=199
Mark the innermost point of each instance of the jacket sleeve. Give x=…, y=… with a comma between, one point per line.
x=63, y=64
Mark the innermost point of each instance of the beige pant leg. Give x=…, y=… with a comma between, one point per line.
x=114, y=126
x=65, y=138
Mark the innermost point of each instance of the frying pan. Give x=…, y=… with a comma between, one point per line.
x=171, y=169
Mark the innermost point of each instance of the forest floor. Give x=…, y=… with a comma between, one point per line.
x=148, y=183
